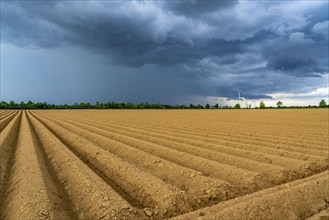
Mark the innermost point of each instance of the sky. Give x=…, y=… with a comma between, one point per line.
x=173, y=52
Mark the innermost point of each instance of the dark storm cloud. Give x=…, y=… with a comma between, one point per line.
x=215, y=47
x=126, y=31
x=131, y=36
x=197, y=7
x=298, y=55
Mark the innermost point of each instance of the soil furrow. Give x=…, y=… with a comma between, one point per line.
x=51, y=177
x=277, y=142
x=30, y=194
x=204, y=190
x=296, y=200
x=322, y=215
x=8, y=139
x=241, y=129
x=300, y=168
x=4, y=114
x=261, y=146
x=8, y=142
x=310, y=148
x=251, y=152
x=160, y=164
x=150, y=191
x=8, y=115
x=90, y=196
x=4, y=122
x=279, y=137
x=272, y=174
x=247, y=181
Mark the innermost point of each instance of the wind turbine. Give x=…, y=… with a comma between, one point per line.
x=240, y=98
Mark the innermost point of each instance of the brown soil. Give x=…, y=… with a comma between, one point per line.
x=158, y=164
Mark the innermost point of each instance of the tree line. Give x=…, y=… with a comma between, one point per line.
x=129, y=105
x=99, y=105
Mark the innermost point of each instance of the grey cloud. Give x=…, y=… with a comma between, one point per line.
x=197, y=7
x=303, y=57
x=321, y=28
x=123, y=36
x=286, y=63
x=20, y=27
x=299, y=38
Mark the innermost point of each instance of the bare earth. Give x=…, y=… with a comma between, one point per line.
x=160, y=164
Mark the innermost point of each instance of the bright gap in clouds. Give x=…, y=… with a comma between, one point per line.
x=312, y=98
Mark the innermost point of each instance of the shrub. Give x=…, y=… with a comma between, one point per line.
x=261, y=105
x=322, y=104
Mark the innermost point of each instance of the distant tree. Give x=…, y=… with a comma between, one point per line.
x=216, y=106
x=191, y=106
x=262, y=105
x=30, y=104
x=158, y=106
x=207, y=106
x=3, y=105
x=121, y=105
x=200, y=106
x=322, y=104
x=40, y=105
x=140, y=106
x=12, y=105
x=237, y=106
x=98, y=105
x=88, y=105
x=22, y=105
x=130, y=105
x=145, y=105
x=166, y=106
x=279, y=104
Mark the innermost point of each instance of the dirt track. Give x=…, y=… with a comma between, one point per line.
x=185, y=164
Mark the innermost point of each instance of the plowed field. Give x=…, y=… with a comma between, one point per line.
x=159, y=164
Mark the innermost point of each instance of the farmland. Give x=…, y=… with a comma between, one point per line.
x=158, y=164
